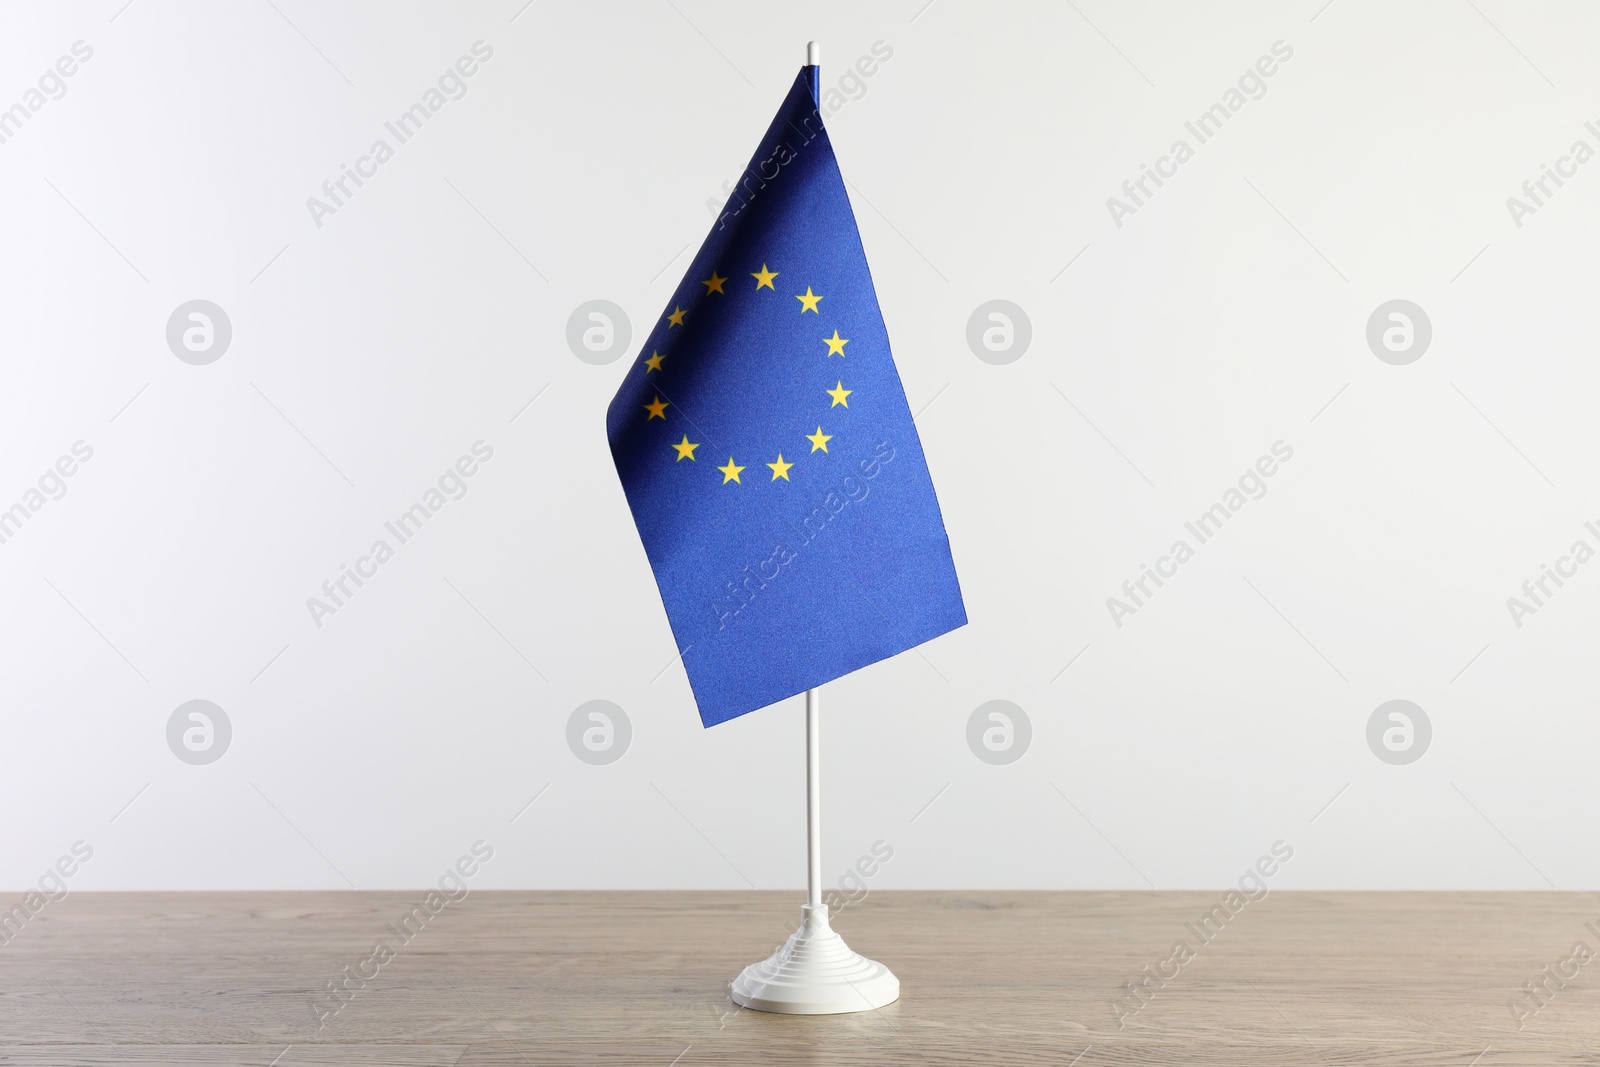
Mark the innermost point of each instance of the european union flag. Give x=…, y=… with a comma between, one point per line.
x=767, y=451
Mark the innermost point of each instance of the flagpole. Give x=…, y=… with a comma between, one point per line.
x=815, y=972
x=813, y=794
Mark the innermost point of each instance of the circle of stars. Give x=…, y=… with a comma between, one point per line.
x=810, y=301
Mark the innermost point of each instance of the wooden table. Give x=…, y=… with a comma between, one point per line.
x=641, y=978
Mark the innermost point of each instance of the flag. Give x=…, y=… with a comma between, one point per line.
x=767, y=451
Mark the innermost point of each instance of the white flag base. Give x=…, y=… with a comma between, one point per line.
x=815, y=973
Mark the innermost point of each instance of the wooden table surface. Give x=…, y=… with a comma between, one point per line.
x=641, y=978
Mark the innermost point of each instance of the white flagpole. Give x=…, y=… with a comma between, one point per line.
x=815, y=973
x=813, y=792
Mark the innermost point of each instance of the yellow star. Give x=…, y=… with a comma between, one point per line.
x=714, y=284
x=819, y=439
x=676, y=318
x=685, y=448
x=654, y=362
x=764, y=278
x=780, y=469
x=730, y=473
x=838, y=392
x=658, y=410
x=809, y=302
x=835, y=343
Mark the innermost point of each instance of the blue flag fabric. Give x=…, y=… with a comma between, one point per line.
x=767, y=451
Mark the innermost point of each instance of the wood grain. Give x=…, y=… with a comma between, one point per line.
x=641, y=978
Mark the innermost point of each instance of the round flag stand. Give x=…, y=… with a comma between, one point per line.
x=815, y=972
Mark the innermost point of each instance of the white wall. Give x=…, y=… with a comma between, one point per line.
x=369, y=353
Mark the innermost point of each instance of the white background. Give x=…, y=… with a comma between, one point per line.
x=369, y=353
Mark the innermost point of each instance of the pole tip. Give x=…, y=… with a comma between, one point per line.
x=813, y=54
